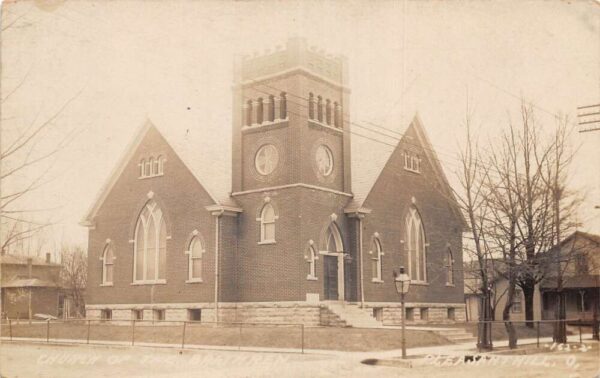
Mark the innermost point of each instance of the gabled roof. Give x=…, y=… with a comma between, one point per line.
x=28, y=282
x=214, y=176
x=10, y=259
x=368, y=167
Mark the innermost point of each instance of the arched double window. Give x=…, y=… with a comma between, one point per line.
x=195, y=253
x=319, y=108
x=271, y=107
x=151, y=167
x=449, y=268
x=259, y=111
x=249, y=113
x=267, y=224
x=376, y=260
x=416, y=246
x=150, y=245
x=282, y=106
x=108, y=257
x=311, y=258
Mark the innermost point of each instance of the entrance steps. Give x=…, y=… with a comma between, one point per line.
x=352, y=315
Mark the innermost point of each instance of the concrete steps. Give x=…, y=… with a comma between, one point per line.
x=353, y=316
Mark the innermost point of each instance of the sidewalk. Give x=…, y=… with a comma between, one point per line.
x=449, y=349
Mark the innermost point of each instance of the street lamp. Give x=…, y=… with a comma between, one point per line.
x=402, y=282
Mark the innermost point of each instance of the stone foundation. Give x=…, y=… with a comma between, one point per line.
x=419, y=313
x=309, y=314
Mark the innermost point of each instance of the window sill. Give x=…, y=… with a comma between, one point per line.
x=311, y=278
x=195, y=280
x=151, y=176
x=376, y=280
x=325, y=126
x=266, y=125
x=412, y=170
x=157, y=282
x=450, y=285
x=419, y=283
x=266, y=242
x=106, y=284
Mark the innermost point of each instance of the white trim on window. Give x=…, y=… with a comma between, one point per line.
x=312, y=258
x=151, y=233
x=376, y=260
x=267, y=224
x=416, y=247
x=108, y=261
x=195, y=242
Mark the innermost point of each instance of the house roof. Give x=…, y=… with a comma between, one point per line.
x=573, y=282
x=28, y=282
x=22, y=260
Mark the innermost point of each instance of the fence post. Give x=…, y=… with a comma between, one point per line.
x=48, y=331
x=580, y=340
x=538, y=333
x=10, y=328
x=302, y=338
x=88, y=331
x=183, y=335
x=133, y=332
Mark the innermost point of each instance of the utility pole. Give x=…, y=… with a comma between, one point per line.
x=588, y=117
x=560, y=331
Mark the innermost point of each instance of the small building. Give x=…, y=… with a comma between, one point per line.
x=29, y=283
x=499, y=294
x=580, y=267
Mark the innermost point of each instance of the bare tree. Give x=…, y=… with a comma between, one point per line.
x=472, y=200
x=74, y=275
x=28, y=152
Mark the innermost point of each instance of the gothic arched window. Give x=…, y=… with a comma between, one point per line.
x=376, y=260
x=311, y=106
x=267, y=224
x=328, y=112
x=336, y=114
x=449, y=268
x=108, y=258
x=150, y=245
x=195, y=252
x=416, y=246
x=312, y=263
x=142, y=168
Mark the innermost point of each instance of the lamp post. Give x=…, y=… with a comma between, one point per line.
x=402, y=282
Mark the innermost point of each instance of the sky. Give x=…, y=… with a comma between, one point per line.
x=104, y=68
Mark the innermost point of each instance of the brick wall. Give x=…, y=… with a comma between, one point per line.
x=390, y=200
x=182, y=200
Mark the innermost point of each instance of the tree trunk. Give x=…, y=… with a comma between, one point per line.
x=560, y=327
x=510, y=328
x=528, y=292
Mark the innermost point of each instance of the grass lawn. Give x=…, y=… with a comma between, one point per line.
x=332, y=338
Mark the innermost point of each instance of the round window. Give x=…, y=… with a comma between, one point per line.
x=324, y=159
x=266, y=159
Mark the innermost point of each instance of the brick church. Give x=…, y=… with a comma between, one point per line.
x=294, y=235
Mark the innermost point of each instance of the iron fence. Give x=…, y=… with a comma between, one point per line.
x=238, y=335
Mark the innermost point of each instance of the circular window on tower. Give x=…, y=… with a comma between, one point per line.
x=266, y=159
x=324, y=159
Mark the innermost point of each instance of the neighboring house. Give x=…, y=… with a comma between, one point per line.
x=28, y=280
x=580, y=262
x=293, y=226
x=499, y=293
